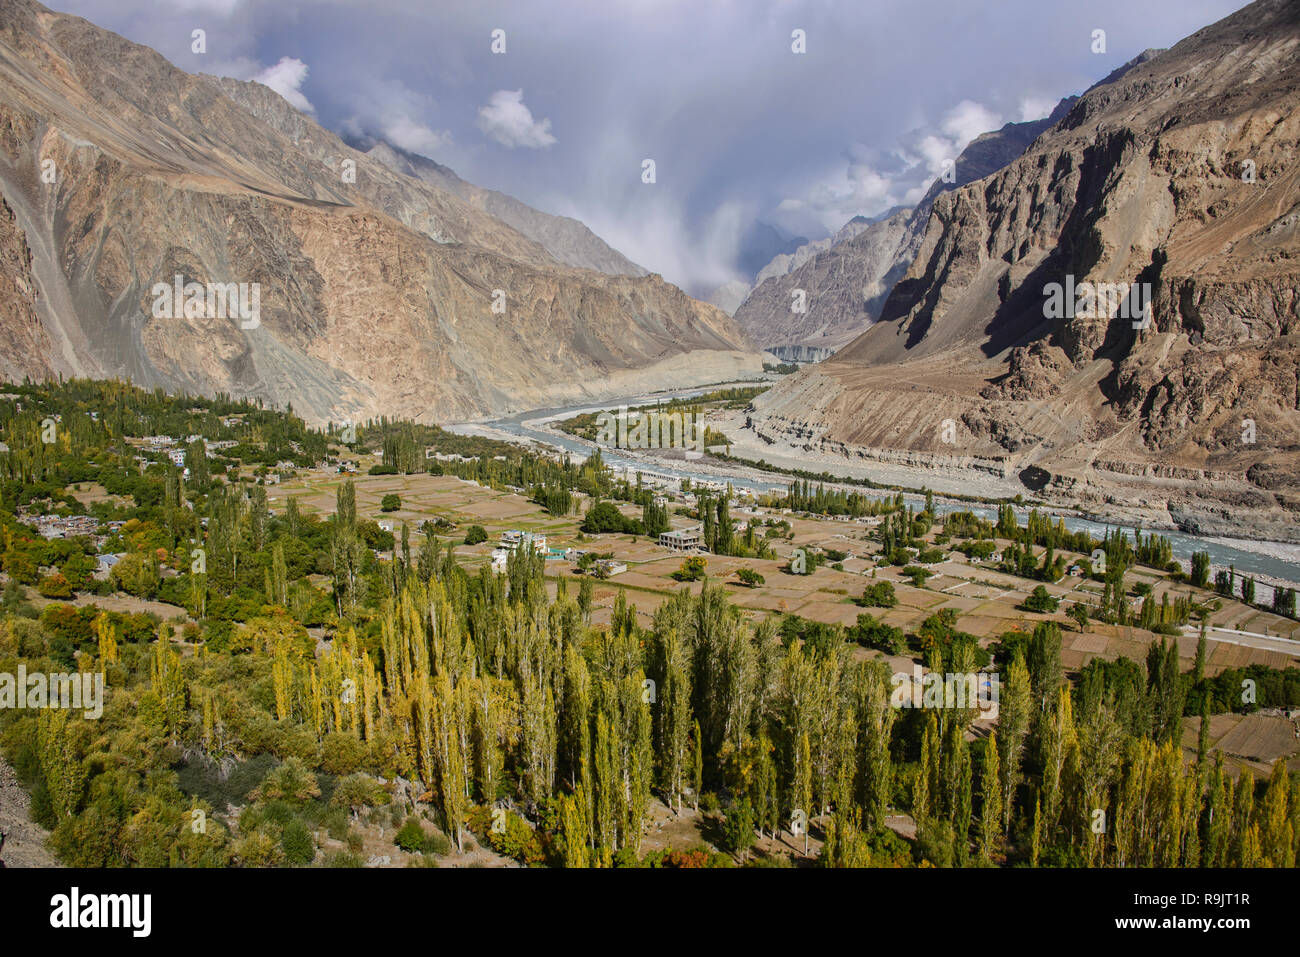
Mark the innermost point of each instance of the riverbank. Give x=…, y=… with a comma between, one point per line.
x=1271, y=563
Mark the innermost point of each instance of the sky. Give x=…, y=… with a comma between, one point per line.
x=562, y=107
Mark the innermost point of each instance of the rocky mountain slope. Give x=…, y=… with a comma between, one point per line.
x=846, y=278
x=568, y=240
x=119, y=171
x=1181, y=174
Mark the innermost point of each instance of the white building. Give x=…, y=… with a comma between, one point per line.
x=683, y=539
x=512, y=539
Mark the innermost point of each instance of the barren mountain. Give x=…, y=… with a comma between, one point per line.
x=567, y=240
x=846, y=278
x=119, y=171
x=825, y=302
x=1181, y=173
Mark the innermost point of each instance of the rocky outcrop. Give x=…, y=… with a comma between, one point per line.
x=842, y=282
x=1179, y=175
x=380, y=291
x=566, y=239
x=829, y=299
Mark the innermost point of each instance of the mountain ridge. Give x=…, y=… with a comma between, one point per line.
x=377, y=294
x=1190, y=420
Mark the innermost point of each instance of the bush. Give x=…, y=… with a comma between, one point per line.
x=343, y=859
x=299, y=848
x=411, y=837
x=692, y=569
x=390, y=502
x=436, y=842
x=475, y=534
x=749, y=577
x=55, y=586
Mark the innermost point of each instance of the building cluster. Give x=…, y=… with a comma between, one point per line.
x=65, y=526
x=513, y=539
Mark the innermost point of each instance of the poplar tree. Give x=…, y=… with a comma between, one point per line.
x=697, y=765
x=1015, y=709
x=991, y=797
x=962, y=805
x=1276, y=833
x=801, y=796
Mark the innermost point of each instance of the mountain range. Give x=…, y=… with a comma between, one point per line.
x=1176, y=176
x=387, y=284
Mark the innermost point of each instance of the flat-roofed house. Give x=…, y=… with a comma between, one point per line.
x=682, y=539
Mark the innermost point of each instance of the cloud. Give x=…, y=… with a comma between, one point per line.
x=1034, y=107
x=967, y=120
x=286, y=78
x=508, y=121
x=389, y=110
x=415, y=136
x=735, y=120
x=877, y=179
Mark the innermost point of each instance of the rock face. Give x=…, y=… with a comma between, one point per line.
x=567, y=240
x=1179, y=174
x=377, y=284
x=834, y=294
x=729, y=296
x=846, y=278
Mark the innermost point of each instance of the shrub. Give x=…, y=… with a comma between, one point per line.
x=299, y=848
x=411, y=837
x=692, y=569
x=435, y=842
x=342, y=859
x=55, y=586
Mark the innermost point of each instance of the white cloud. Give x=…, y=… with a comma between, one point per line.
x=287, y=78
x=967, y=120
x=414, y=136
x=1036, y=107
x=389, y=110
x=877, y=180
x=508, y=121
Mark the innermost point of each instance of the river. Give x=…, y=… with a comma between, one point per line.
x=1247, y=557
